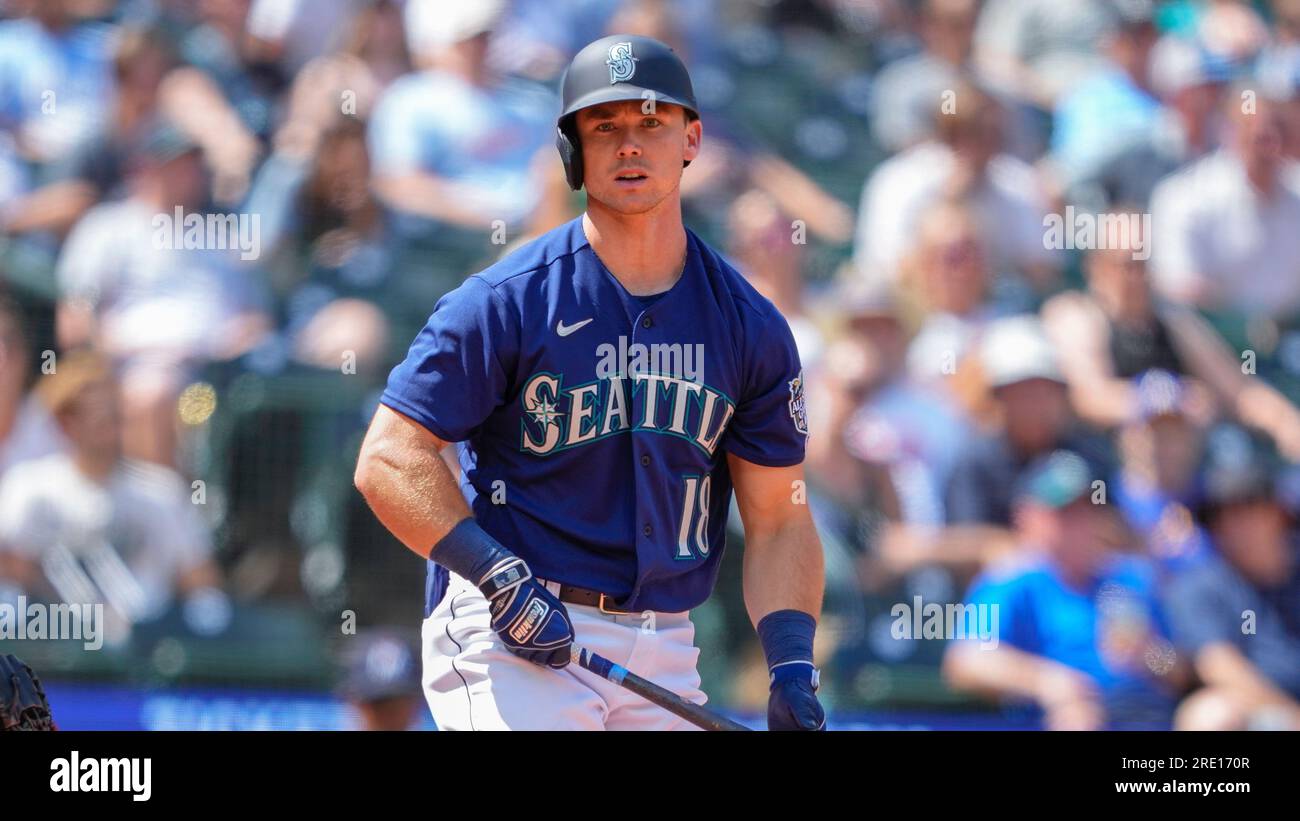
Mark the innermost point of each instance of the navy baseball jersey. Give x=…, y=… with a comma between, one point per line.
x=593, y=425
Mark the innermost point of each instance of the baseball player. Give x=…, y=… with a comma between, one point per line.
x=607, y=386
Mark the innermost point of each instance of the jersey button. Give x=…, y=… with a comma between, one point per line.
x=646, y=322
x=645, y=460
x=647, y=530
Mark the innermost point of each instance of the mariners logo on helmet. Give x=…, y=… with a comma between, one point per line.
x=622, y=65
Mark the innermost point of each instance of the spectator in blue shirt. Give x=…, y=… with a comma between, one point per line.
x=1114, y=108
x=1081, y=635
x=1236, y=615
x=55, y=79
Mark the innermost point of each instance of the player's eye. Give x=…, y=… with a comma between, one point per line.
x=606, y=126
x=651, y=122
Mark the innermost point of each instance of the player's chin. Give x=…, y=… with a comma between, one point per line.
x=630, y=201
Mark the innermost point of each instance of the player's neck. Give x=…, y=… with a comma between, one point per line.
x=645, y=252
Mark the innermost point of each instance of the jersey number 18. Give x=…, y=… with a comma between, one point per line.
x=695, y=518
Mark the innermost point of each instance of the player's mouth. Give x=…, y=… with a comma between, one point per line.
x=631, y=177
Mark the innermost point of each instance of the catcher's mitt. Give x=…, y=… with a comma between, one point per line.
x=22, y=701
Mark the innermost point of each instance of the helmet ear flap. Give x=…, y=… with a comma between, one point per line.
x=566, y=142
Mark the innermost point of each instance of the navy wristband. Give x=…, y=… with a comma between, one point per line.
x=468, y=551
x=787, y=635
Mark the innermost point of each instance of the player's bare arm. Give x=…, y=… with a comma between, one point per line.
x=784, y=573
x=403, y=477
x=783, y=568
x=401, y=473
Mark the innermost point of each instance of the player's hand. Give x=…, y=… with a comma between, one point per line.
x=792, y=702
x=531, y=621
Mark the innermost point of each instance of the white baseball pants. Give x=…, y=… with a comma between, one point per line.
x=472, y=682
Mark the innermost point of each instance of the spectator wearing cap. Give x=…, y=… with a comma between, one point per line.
x=100, y=528
x=157, y=309
x=1080, y=633
x=1155, y=488
x=1028, y=417
x=1032, y=418
x=454, y=143
x=1224, y=227
x=964, y=163
x=1114, y=331
x=1236, y=615
x=381, y=681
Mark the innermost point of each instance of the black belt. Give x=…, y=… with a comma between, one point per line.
x=572, y=594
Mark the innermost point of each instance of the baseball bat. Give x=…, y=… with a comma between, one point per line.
x=653, y=693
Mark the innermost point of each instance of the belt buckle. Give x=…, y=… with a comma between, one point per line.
x=601, y=606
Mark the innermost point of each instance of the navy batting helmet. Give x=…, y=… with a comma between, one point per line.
x=613, y=69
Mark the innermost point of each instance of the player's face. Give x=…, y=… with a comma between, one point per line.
x=632, y=152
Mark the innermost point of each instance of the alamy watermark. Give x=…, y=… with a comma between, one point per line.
x=1086, y=231
x=922, y=620
x=629, y=360
x=195, y=231
x=38, y=621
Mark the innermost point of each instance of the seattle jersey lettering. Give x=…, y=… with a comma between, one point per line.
x=557, y=418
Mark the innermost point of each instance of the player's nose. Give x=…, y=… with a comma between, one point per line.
x=629, y=148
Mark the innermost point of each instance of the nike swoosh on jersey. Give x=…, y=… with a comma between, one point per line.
x=565, y=330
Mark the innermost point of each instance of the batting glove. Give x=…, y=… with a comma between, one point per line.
x=792, y=700
x=530, y=620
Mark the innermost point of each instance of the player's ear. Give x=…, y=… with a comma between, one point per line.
x=692, y=137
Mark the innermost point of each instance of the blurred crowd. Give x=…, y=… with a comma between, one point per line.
x=1041, y=259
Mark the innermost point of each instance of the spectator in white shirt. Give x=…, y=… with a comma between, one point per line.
x=964, y=163
x=1225, y=228
x=159, y=310
x=905, y=91
x=93, y=527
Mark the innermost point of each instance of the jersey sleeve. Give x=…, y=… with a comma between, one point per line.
x=456, y=371
x=770, y=425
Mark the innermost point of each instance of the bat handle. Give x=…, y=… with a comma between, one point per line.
x=668, y=700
